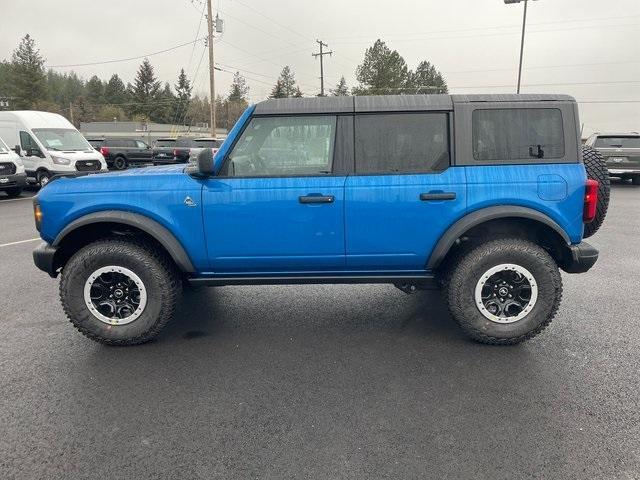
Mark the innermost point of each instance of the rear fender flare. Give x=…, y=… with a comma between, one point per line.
x=478, y=217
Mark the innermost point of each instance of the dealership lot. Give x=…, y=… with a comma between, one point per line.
x=323, y=381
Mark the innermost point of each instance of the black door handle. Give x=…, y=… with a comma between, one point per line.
x=316, y=199
x=425, y=197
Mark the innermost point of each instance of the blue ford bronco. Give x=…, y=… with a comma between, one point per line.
x=484, y=196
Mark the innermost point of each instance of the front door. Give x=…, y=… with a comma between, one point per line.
x=276, y=205
x=32, y=155
x=404, y=193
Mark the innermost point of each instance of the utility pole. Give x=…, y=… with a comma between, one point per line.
x=321, y=54
x=212, y=85
x=71, y=112
x=524, y=25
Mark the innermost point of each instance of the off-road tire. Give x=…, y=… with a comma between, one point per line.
x=465, y=274
x=635, y=180
x=120, y=163
x=596, y=168
x=162, y=282
x=13, y=192
x=43, y=176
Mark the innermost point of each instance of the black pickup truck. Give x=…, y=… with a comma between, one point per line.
x=120, y=153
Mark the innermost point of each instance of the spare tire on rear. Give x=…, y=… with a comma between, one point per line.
x=597, y=170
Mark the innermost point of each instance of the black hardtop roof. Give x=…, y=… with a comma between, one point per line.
x=391, y=103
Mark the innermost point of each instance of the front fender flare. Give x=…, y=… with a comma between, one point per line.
x=147, y=225
x=484, y=215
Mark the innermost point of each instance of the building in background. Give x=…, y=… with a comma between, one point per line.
x=147, y=132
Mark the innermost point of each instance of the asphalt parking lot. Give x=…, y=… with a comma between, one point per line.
x=323, y=381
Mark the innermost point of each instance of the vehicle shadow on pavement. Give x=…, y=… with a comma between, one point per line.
x=205, y=313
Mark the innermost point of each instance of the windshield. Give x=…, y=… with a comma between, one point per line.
x=618, y=142
x=3, y=147
x=61, y=139
x=209, y=143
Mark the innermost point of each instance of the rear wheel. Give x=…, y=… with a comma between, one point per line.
x=119, y=292
x=504, y=291
x=596, y=168
x=120, y=163
x=14, y=191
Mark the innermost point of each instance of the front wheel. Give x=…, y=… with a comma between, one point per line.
x=119, y=291
x=504, y=291
x=43, y=177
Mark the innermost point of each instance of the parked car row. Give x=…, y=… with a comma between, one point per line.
x=121, y=153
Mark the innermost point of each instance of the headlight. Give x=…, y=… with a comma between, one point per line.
x=60, y=161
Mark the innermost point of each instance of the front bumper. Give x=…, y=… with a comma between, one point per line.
x=17, y=180
x=580, y=258
x=44, y=258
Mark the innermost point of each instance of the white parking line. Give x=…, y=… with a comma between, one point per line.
x=19, y=242
x=15, y=200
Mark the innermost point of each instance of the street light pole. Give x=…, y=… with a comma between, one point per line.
x=524, y=26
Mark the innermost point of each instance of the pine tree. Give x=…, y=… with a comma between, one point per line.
x=426, y=79
x=115, y=91
x=239, y=89
x=145, y=90
x=95, y=90
x=183, y=94
x=286, y=85
x=383, y=71
x=341, y=88
x=28, y=79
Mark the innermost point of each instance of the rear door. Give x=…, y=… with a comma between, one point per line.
x=144, y=152
x=404, y=193
x=278, y=203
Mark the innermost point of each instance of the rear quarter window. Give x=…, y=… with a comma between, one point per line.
x=517, y=134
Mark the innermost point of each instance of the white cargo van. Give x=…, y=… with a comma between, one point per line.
x=49, y=145
x=12, y=176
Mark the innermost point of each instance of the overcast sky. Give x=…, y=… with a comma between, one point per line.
x=571, y=44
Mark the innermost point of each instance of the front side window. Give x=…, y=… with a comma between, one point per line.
x=28, y=143
x=141, y=144
x=284, y=146
x=518, y=134
x=3, y=147
x=404, y=143
x=61, y=139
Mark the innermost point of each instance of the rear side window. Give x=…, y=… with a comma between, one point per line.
x=517, y=134
x=618, y=142
x=165, y=143
x=406, y=142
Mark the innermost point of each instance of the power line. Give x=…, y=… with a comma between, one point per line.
x=449, y=37
x=127, y=59
x=485, y=28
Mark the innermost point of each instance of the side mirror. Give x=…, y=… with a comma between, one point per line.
x=18, y=150
x=206, y=166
